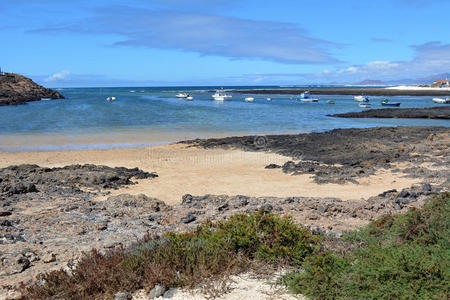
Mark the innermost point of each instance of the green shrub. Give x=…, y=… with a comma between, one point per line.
x=401, y=257
x=181, y=259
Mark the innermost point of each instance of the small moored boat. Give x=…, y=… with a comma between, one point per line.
x=269, y=99
x=361, y=99
x=221, y=96
x=110, y=99
x=386, y=102
x=305, y=95
x=310, y=100
x=331, y=102
x=441, y=100
x=249, y=99
x=189, y=98
x=182, y=95
x=364, y=105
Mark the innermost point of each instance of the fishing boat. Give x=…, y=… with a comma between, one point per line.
x=221, y=96
x=386, y=102
x=331, y=102
x=189, y=98
x=182, y=95
x=249, y=99
x=361, y=99
x=364, y=105
x=441, y=100
x=110, y=99
x=269, y=99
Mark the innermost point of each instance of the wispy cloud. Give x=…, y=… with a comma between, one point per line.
x=57, y=76
x=430, y=58
x=206, y=34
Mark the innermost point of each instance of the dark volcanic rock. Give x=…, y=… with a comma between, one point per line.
x=23, y=179
x=344, y=155
x=442, y=112
x=17, y=89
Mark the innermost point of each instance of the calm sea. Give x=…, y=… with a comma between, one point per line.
x=143, y=115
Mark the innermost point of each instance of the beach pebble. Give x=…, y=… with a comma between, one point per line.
x=122, y=296
x=50, y=257
x=157, y=291
x=189, y=218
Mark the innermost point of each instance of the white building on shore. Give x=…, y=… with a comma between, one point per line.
x=442, y=83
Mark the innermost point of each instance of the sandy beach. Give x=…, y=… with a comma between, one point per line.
x=57, y=204
x=195, y=171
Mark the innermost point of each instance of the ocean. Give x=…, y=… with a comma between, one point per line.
x=153, y=115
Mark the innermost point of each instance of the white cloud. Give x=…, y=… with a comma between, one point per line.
x=206, y=34
x=58, y=76
x=431, y=58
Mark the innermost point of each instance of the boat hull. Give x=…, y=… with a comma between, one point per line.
x=361, y=99
x=441, y=101
x=390, y=104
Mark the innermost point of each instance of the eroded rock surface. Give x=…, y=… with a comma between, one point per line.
x=17, y=89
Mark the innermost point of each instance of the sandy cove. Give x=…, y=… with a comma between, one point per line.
x=195, y=171
x=57, y=207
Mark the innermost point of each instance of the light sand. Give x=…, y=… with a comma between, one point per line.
x=185, y=170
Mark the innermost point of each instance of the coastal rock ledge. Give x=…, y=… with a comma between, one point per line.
x=17, y=89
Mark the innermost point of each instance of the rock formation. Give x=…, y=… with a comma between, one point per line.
x=17, y=89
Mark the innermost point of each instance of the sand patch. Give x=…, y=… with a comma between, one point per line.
x=196, y=171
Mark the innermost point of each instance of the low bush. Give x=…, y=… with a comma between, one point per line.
x=400, y=257
x=181, y=259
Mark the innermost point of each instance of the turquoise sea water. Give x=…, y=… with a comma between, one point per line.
x=143, y=115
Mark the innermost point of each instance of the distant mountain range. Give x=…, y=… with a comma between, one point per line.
x=424, y=80
x=370, y=82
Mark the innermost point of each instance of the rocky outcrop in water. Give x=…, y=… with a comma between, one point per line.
x=442, y=112
x=17, y=89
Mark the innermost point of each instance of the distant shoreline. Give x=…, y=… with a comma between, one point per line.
x=393, y=91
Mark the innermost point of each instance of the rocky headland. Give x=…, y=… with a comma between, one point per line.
x=442, y=112
x=17, y=89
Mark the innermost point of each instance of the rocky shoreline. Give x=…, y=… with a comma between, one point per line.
x=16, y=89
x=49, y=216
x=349, y=91
x=442, y=113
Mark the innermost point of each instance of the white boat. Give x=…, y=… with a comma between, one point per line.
x=221, y=96
x=182, y=95
x=305, y=95
x=310, y=100
x=441, y=100
x=361, y=98
x=269, y=99
x=189, y=98
x=364, y=105
x=110, y=99
x=249, y=99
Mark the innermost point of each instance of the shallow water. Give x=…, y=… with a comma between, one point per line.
x=142, y=116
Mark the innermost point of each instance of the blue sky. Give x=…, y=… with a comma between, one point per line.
x=218, y=42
